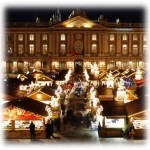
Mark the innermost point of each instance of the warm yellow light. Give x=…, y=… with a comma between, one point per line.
x=39, y=96
x=69, y=25
x=87, y=25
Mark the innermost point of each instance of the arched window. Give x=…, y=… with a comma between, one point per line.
x=124, y=49
x=62, y=49
x=31, y=37
x=94, y=49
x=44, y=49
x=20, y=37
x=124, y=37
x=112, y=37
x=62, y=37
x=111, y=48
x=135, y=37
x=135, y=49
x=94, y=37
x=20, y=49
x=31, y=49
x=44, y=37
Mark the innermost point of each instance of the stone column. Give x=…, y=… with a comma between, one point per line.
x=140, y=43
x=54, y=45
x=50, y=43
x=130, y=45
x=37, y=44
x=118, y=45
x=89, y=44
x=72, y=44
x=105, y=44
x=15, y=48
x=26, y=46
x=99, y=44
x=85, y=44
x=68, y=44
x=57, y=44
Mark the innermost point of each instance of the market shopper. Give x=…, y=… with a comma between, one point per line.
x=132, y=132
x=49, y=129
x=32, y=130
x=99, y=129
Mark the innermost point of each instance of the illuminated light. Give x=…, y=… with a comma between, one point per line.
x=86, y=75
x=39, y=96
x=70, y=25
x=87, y=25
x=121, y=94
x=18, y=76
x=110, y=80
x=138, y=74
x=28, y=72
x=49, y=111
x=54, y=102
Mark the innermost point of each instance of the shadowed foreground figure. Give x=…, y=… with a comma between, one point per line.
x=32, y=130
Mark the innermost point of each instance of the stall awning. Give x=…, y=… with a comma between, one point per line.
x=28, y=117
x=113, y=109
x=28, y=104
x=136, y=107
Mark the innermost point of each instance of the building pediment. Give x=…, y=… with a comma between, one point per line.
x=78, y=22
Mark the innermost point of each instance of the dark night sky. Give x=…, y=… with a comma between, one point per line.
x=136, y=15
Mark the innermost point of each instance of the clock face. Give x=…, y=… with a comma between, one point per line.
x=78, y=47
x=78, y=36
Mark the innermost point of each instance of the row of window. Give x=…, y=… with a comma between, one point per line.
x=135, y=37
x=94, y=48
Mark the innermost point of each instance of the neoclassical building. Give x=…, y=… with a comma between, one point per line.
x=61, y=44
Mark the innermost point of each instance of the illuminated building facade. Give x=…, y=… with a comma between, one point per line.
x=58, y=44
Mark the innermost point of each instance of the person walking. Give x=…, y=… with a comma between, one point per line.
x=48, y=129
x=32, y=130
x=99, y=129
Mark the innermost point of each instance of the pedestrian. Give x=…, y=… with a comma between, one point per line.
x=48, y=129
x=132, y=132
x=32, y=130
x=99, y=129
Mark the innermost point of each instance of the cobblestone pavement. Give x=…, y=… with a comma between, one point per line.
x=75, y=136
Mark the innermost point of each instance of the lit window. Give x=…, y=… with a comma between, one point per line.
x=10, y=51
x=31, y=49
x=20, y=37
x=20, y=49
x=44, y=37
x=44, y=49
x=62, y=37
x=94, y=37
x=94, y=48
x=144, y=37
x=124, y=37
x=135, y=37
x=111, y=48
x=124, y=49
x=112, y=37
x=135, y=49
x=62, y=49
x=31, y=37
x=144, y=49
